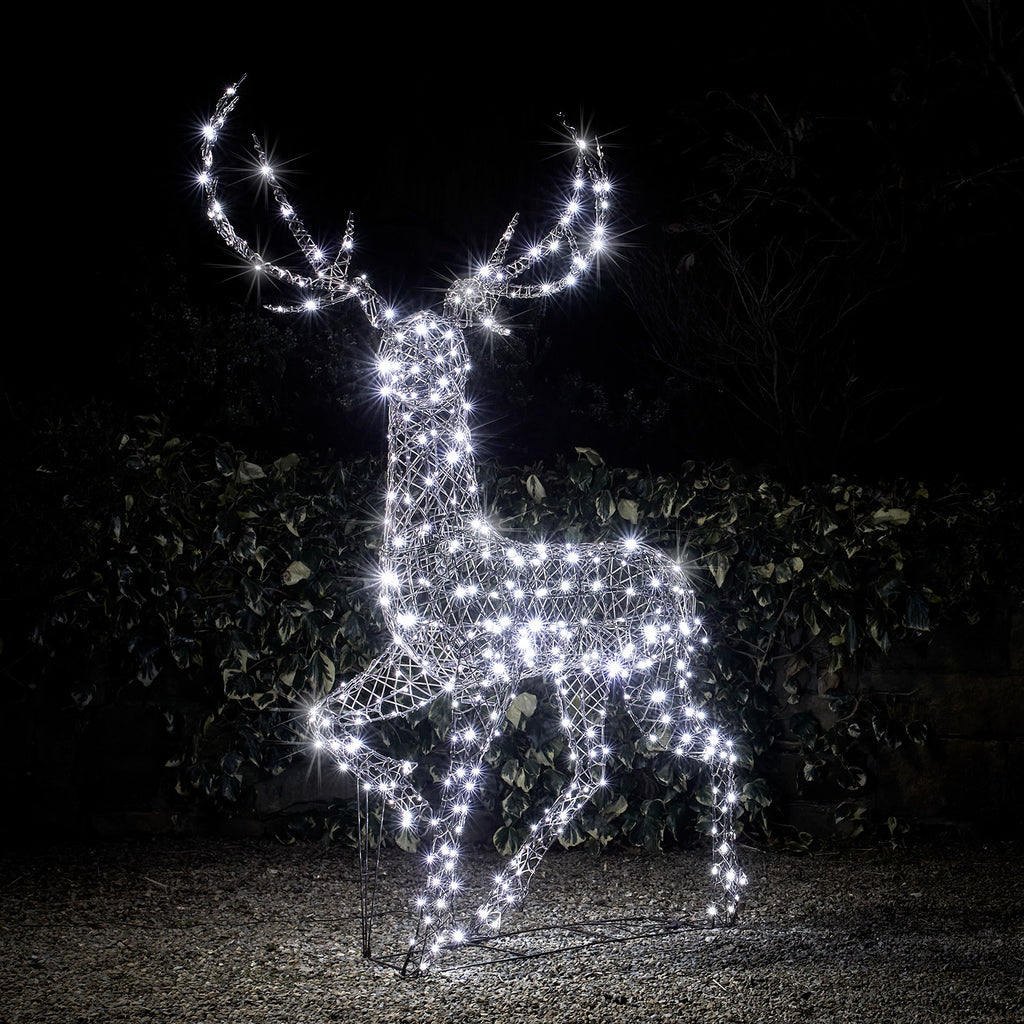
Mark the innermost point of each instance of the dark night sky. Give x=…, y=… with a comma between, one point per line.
x=436, y=132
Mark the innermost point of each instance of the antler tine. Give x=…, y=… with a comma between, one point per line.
x=564, y=230
x=502, y=247
x=314, y=254
x=341, y=262
x=474, y=299
x=330, y=281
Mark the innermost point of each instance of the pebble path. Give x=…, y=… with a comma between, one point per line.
x=205, y=930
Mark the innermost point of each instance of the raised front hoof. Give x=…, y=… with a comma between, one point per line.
x=406, y=809
x=407, y=813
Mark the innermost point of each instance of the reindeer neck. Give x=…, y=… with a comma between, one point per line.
x=432, y=488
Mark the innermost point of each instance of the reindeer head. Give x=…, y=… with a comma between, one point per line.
x=548, y=267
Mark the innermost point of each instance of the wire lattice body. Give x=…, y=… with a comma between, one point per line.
x=471, y=613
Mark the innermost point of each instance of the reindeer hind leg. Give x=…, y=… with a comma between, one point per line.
x=662, y=708
x=581, y=708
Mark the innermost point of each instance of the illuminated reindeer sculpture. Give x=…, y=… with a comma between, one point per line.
x=472, y=614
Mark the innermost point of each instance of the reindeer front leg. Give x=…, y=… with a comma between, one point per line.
x=475, y=722
x=340, y=723
x=511, y=886
x=663, y=710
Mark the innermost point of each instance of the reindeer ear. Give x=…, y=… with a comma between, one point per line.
x=328, y=282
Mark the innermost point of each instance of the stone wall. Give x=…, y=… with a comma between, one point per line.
x=966, y=683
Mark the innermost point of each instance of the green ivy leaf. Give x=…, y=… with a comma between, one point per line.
x=629, y=510
x=181, y=649
x=508, y=840
x=535, y=489
x=295, y=573
x=514, y=806
x=896, y=516
x=918, y=614
x=572, y=834
x=285, y=464
x=321, y=673
x=581, y=474
x=248, y=472
x=719, y=565
x=255, y=599
x=440, y=715
x=591, y=456
x=512, y=772
x=652, y=825
x=520, y=708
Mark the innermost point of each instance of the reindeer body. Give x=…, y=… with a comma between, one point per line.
x=452, y=585
x=471, y=613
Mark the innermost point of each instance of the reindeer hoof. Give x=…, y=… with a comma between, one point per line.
x=488, y=921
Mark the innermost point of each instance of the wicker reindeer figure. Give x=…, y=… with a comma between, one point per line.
x=472, y=614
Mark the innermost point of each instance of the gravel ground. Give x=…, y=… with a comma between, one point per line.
x=206, y=930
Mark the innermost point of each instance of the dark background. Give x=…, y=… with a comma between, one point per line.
x=435, y=131
x=874, y=150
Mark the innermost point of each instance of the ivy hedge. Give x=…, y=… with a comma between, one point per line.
x=230, y=592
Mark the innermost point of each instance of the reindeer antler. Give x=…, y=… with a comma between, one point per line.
x=473, y=299
x=329, y=283
x=571, y=246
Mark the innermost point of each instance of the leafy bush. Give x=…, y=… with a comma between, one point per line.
x=797, y=588
x=233, y=592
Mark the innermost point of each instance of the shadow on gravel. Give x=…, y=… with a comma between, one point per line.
x=212, y=930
